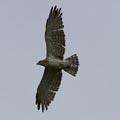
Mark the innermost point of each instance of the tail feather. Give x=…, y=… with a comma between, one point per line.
x=74, y=63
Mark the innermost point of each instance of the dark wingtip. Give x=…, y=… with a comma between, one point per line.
x=42, y=107
x=51, y=10
x=55, y=7
x=56, y=11
x=38, y=106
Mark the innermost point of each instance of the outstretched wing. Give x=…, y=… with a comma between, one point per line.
x=47, y=88
x=54, y=34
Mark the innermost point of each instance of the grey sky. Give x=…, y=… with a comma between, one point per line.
x=92, y=29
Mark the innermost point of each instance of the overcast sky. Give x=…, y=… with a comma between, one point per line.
x=92, y=29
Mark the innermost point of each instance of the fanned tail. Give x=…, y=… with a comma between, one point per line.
x=74, y=63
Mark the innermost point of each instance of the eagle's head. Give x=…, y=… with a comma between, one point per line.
x=43, y=62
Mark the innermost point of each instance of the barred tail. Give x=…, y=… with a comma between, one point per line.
x=74, y=63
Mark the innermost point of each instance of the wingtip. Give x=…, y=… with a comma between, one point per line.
x=54, y=8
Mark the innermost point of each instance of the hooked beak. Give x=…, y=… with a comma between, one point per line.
x=37, y=63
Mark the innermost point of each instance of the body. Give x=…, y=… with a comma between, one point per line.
x=69, y=64
x=54, y=63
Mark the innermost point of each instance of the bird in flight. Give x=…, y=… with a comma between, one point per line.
x=54, y=62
